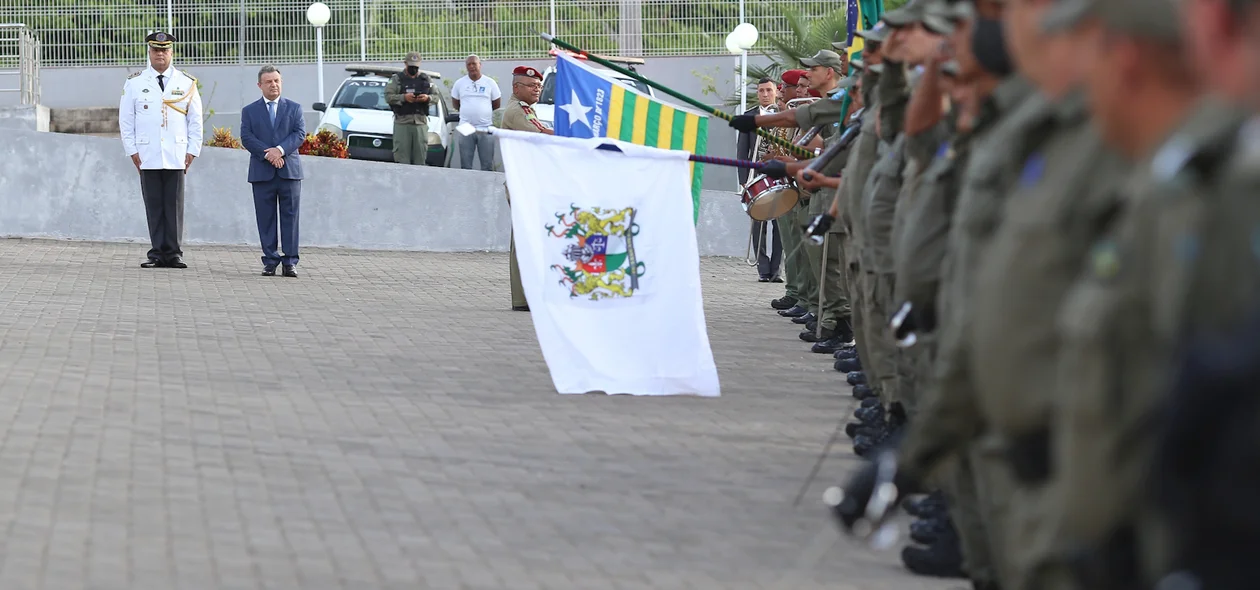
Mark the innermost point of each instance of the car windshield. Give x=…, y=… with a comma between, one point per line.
x=367, y=94
x=549, y=88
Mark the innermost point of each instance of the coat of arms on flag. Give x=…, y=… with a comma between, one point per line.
x=600, y=252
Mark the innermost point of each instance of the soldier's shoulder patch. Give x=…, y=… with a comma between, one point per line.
x=1034, y=169
x=1104, y=260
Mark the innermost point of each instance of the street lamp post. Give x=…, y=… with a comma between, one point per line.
x=318, y=14
x=738, y=42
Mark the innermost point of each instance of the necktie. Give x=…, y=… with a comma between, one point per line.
x=271, y=110
x=161, y=84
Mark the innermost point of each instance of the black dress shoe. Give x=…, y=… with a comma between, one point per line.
x=269, y=271
x=783, y=302
x=795, y=311
x=289, y=271
x=776, y=280
x=152, y=264
x=805, y=319
x=817, y=336
x=175, y=263
x=827, y=346
x=520, y=308
x=856, y=378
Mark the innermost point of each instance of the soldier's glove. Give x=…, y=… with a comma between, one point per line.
x=745, y=123
x=774, y=169
x=818, y=227
x=870, y=498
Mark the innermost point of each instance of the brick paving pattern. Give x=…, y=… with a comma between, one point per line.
x=385, y=421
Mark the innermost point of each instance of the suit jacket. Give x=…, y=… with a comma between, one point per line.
x=744, y=146
x=258, y=135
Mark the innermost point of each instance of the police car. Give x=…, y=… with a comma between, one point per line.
x=546, y=107
x=359, y=114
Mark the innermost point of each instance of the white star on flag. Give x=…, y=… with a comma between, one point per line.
x=577, y=111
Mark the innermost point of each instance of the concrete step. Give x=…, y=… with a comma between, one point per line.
x=90, y=120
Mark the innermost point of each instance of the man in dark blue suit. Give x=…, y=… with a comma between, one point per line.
x=272, y=130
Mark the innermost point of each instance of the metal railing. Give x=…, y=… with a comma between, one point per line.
x=110, y=32
x=19, y=63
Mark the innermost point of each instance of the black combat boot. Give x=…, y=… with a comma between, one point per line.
x=795, y=311
x=856, y=378
x=863, y=391
x=848, y=365
x=847, y=352
x=805, y=319
x=929, y=505
x=927, y=530
x=783, y=302
x=942, y=559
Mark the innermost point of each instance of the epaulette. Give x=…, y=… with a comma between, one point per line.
x=135, y=74
x=189, y=76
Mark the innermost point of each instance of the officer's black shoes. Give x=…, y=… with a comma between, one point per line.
x=804, y=318
x=856, y=378
x=289, y=271
x=942, y=559
x=152, y=264
x=175, y=263
x=269, y=271
x=930, y=505
x=520, y=308
x=783, y=303
x=822, y=335
x=828, y=346
x=795, y=311
x=929, y=530
x=848, y=365
x=863, y=391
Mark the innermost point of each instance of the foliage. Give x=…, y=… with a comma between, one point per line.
x=325, y=143
x=75, y=32
x=223, y=138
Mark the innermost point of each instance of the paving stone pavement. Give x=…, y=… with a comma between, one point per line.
x=385, y=421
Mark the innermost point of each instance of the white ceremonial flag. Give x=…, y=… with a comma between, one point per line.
x=606, y=245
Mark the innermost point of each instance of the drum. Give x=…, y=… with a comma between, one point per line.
x=766, y=198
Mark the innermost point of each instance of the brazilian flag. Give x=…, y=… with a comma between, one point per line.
x=861, y=16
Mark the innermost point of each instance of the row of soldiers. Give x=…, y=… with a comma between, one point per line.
x=1046, y=239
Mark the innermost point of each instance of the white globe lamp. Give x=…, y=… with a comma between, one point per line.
x=318, y=14
x=745, y=36
x=731, y=45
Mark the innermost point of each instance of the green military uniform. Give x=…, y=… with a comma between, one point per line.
x=1179, y=260
x=518, y=116
x=835, y=311
x=868, y=322
x=825, y=112
x=1064, y=193
x=878, y=206
x=947, y=405
x=411, y=120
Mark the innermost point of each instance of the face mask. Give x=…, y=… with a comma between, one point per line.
x=988, y=43
x=413, y=70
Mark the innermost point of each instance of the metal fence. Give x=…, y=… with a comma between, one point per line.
x=19, y=63
x=109, y=32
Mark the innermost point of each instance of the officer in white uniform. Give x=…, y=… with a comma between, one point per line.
x=160, y=120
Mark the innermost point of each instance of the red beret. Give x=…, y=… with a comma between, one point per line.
x=814, y=93
x=527, y=71
x=792, y=77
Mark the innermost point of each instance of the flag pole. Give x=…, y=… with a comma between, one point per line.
x=796, y=150
x=610, y=147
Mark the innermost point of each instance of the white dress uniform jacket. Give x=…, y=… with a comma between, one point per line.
x=161, y=126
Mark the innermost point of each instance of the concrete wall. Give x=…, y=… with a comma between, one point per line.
x=346, y=203
x=30, y=118
x=227, y=87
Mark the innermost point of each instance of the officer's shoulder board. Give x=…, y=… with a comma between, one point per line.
x=135, y=74
x=189, y=76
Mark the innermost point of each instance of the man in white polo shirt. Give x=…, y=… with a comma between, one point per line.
x=476, y=97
